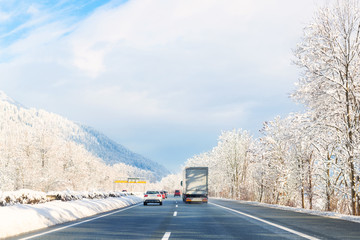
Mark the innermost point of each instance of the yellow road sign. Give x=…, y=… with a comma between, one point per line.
x=130, y=181
x=121, y=181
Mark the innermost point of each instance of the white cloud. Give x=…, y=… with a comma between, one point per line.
x=4, y=16
x=144, y=25
x=33, y=10
x=206, y=64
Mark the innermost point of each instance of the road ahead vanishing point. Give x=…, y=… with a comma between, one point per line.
x=219, y=219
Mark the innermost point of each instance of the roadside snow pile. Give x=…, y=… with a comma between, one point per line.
x=72, y=195
x=301, y=210
x=312, y=212
x=22, y=218
x=23, y=196
x=26, y=196
x=138, y=194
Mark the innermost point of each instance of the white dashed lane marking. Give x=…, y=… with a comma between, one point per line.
x=269, y=223
x=166, y=236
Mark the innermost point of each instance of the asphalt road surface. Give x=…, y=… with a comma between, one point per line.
x=218, y=219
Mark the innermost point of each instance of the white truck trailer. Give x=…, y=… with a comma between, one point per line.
x=195, y=184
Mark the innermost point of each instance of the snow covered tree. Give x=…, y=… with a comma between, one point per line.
x=38, y=152
x=329, y=55
x=233, y=148
x=275, y=159
x=304, y=156
x=229, y=164
x=171, y=182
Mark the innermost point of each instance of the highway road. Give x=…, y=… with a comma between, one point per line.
x=219, y=219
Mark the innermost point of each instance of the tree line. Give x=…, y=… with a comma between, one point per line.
x=309, y=159
x=37, y=153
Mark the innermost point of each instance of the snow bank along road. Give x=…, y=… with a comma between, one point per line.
x=23, y=218
x=218, y=219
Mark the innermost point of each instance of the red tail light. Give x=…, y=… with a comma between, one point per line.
x=146, y=195
x=159, y=195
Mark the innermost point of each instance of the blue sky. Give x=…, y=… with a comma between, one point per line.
x=161, y=77
x=19, y=18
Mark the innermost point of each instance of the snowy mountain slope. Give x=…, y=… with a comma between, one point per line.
x=5, y=98
x=24, y=125
x=112, y=152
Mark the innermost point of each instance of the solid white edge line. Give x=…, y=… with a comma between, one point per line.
x=72, y=225
x=175, y=214
x=166, y=236
x=270, y=223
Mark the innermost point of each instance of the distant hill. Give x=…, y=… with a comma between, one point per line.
x=19, y=117
x=112, y=152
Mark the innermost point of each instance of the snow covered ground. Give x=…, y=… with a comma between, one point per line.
x=23, y=218
x=313, y=212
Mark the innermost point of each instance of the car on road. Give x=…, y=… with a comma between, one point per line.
x=177, y=193
x=163, y=194
x=166, y=193
x=152, y=196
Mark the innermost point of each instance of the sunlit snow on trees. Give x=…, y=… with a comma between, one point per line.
x=37, y=154
x=310, y=160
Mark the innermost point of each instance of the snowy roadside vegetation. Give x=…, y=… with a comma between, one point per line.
x=27, y=196
x=22, y=218
x=23, y=196
x=309, y=159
